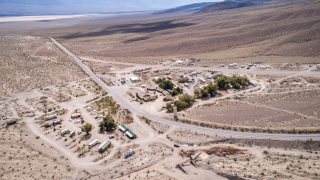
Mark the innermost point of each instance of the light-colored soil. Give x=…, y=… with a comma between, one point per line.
x=27, y=63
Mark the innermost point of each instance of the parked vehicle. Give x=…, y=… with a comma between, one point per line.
x=72, y=133
x=79, y=132
x=64, y=131
x=4, y=118
x=176, y=145
x=93, y=143
x=111, y=136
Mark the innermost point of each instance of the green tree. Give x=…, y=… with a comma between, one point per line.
x=164, y=84
x=174, y=92
x=196, y=93
x=87, y=128
x=169, y=106
x=109, y=123
x=102, y=126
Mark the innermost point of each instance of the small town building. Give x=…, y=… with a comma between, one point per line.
x=49, y=117
x=123, y=128
x=168, y=98
x=11, y=122
x=131, y=134
x=104, y=146
x=160, y=90
x=134, y=79
x=75, y=115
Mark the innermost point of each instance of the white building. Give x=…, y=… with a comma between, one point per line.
x=134, y=79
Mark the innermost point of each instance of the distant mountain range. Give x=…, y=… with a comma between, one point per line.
x=70, y=7
x=186, y=8
x=212, y=6
x=226, y=5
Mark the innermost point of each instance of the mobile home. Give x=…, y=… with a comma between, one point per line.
x=104, y=146
x=64, y=131
x=93, y=143
x=54, y=116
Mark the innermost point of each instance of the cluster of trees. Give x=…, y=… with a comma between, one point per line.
x=184, y=101
x=183, y=80
x=107, y=124
x=209, y=89
x=164, y=83
x=177, y=91
x=236, y=81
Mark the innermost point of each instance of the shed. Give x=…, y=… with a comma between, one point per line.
x=134, y=79
x=160, y=90
x=11, y=122
x=75, y=115
x=104, y=146
x=123, y=128
x=131, y=134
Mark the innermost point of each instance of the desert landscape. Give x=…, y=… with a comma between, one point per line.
x=221, y=90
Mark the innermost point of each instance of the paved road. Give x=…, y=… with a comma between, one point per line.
x=219, y=132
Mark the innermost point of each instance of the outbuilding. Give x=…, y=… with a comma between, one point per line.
x=11, y=122
x=123, y=128
x=75, y=115
x=104, y=146
x=50, y=117
x=131, y=134
x=134, y=79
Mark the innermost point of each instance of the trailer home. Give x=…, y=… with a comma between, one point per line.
x=64, y=131
x=93, y=143
x=54, y=116
x=104, y=146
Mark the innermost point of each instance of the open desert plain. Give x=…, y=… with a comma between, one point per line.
x=221, y=90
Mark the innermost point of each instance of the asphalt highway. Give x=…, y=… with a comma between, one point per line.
x=200, y=129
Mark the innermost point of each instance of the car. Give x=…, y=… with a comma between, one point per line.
x=176, y=145
x=111, y=136
x=70, y=120
x=96, y=117
x=4, y=118
x=248, y=67
x=79, y=132
x=81, y=117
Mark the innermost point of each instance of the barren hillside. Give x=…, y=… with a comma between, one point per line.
x=282, y=28
x=225, y=5
x=27, y=63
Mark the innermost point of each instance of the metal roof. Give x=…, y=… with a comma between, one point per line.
x=105, y=144
x=132, y=133
x=10, y=121
x=124, y=127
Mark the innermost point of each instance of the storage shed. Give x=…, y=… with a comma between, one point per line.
x=134, y=79
x=11, y=122
x=131, y=134
x=75, y=115
x=123, y=128
x=104, y=146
